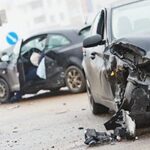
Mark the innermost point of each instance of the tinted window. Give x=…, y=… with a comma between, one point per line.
x=57, y=41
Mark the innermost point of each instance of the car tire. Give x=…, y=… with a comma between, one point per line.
x=4, y=91
x=75, y=79
x=95, y=108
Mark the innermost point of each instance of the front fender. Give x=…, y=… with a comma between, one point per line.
x=10, y=74
x=75, y=61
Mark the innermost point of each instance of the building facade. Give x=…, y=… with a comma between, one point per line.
x=24, y=16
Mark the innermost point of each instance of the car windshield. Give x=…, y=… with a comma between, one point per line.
x=131, y=19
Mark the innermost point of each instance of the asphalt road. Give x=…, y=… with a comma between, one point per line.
x=50, y=121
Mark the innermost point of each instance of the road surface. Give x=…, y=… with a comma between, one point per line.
x=56, y=122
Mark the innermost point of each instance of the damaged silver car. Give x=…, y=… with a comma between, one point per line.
x=117, y=60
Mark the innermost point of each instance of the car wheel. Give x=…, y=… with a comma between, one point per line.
x=95, y=108
x=4, y=91
x=75, y=79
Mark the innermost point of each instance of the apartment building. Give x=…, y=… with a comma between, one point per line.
x=25, y=16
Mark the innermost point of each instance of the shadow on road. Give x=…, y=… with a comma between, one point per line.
x=47, y=94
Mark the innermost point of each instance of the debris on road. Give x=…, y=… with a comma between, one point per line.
x=80, y=128
x=64, y=104
x=76, y=116
x=53, y=147
x=14, y=107
x=123, y=128
x=92, y=137
x=15, y=131
x=61, y=112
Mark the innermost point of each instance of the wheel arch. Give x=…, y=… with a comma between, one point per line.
x=75, y=61
x=7, y=90
x=6, y=80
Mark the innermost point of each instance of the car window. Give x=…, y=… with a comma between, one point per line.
x=131, y=19
x=57, y=41
x=37, y=42
x=98, y=24
x=85, y=32
x=95, y=25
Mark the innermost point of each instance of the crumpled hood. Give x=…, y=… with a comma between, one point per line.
x=141, y=43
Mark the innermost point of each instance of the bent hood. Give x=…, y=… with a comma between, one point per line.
x=138, y=44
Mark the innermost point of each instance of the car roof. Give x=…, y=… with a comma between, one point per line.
x=48, y=31
x=121, y=2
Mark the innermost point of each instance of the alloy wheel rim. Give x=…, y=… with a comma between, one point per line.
x=74, y=79
x=2, y=90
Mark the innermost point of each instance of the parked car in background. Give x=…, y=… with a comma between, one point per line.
x=117, y=61
x=62, y=50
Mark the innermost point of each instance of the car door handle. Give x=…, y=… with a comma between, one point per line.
x=93, y=55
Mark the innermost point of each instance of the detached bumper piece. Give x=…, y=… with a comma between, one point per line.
x=122, y=125
x=123, y=128
x=92, y=137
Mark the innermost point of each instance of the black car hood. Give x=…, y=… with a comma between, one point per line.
x=140, y=44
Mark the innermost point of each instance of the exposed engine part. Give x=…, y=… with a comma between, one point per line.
x=122, y=124
x=92, y=137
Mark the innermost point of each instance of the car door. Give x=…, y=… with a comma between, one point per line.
x=55, y=42
x=12, y=69
x=95, y=65
x=24, y=63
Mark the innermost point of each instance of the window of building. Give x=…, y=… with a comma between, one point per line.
x=36, y=4
x=3, y=18
x=62, y=16
x=52, y=19
x=39, y=19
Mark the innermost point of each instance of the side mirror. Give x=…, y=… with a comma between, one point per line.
x=5, y=58
x=92, y=41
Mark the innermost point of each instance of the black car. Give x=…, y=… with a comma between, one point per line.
x=117, y=59
x=62, y=50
